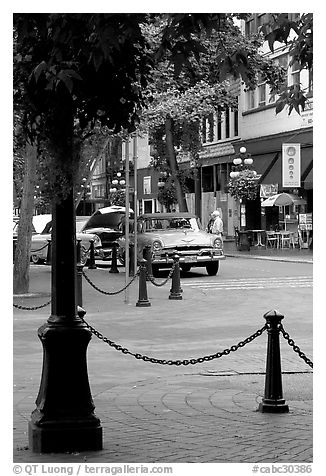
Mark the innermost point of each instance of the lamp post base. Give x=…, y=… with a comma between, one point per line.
x=64, y=418
x=270, y=406
x=56, y=439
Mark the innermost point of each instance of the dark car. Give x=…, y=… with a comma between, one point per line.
x=106, y=223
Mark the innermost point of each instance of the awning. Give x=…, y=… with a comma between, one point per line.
x=274, y=175
x=282, y=200
x=308, y=181
x=208, y=161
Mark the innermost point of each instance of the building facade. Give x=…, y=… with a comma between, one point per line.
x=254, y=125
x=257, y=127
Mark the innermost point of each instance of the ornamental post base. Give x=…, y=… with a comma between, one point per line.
x=272, y=406
x=64, y=418
x=56, y=439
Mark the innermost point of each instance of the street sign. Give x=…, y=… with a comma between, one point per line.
x=291, y=165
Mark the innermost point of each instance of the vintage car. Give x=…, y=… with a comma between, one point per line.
x=106, y=223
x=181, y=233
x=40, y=240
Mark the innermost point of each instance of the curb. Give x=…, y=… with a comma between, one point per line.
x=270, y=258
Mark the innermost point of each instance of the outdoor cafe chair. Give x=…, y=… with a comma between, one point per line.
x=271, y=239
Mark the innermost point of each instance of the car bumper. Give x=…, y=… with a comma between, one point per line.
x=193, y=259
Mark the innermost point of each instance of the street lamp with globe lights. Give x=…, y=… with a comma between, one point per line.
x=117, y=189
x=243, y=184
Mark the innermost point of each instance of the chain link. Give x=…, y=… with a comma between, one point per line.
x=40, y=249
x=153, y=360
x=17, y=306
x=152, y=280
x=295, y=347
x=108, y=293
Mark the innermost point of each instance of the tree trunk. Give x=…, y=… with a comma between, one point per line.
x=22, y=254
x=174, y=165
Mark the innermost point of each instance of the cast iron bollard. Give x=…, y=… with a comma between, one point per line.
x=147, y=252
x=273, y=401
x=79, y=278
x=131, y=259
x=49, y=253
x=114, y=264
x=91, y=261
x=14, y=246
x=175, y=291
x=79, y=285
x=143, y=299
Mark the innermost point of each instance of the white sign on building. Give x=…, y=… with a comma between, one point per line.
x=291, y=165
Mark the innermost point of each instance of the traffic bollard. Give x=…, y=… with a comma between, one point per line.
x=131, y=259
x=78, y=251
x=49, y=253
x=91, y=261
x=14, y=247
x=175, y=291
x=273, y=401
x=147, y=254
x=142, y=299
x=79, y=285
x=114, y=261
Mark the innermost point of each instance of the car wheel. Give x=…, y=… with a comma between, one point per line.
x=212, y=268
x=185, y=268
x=155, y=270
x=36, y=259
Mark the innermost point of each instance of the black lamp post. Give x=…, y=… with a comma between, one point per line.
x=64, y=418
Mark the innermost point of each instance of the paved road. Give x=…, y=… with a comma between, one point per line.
x=201, y=413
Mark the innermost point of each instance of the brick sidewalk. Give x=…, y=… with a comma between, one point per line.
x=203, y=413
x=190, y=418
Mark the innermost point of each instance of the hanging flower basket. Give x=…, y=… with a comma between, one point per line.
x=245, y=186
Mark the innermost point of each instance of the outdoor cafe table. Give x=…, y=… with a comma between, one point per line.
x=258, y=237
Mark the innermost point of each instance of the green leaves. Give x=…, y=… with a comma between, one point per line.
x=292, y=97
x=245, y=186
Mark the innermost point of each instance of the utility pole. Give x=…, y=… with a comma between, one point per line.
x=135, y=200
x=127, y=222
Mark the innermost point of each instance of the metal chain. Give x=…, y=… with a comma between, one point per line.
x=17, y=306
x=295, y=347
x=152, y=280
x=108, y=293
x=153, y=360
x=40, y=249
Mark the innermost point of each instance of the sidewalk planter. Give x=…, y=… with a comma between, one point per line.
x=243, y=241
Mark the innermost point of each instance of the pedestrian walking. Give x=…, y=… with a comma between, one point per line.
x=217, y=226
x=210, y=223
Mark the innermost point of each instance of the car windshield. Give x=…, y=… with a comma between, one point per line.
x=80, y=225
x=173, y=223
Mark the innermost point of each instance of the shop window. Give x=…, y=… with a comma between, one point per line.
x=147, y=189
x=250, y=100
x=236, y=122
x=310, y=81
x=204, y=130
x=261, y=92
x=295, y=73
x=207, y=179
x=211, y=128
x=219, y=124
x=227, y=123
